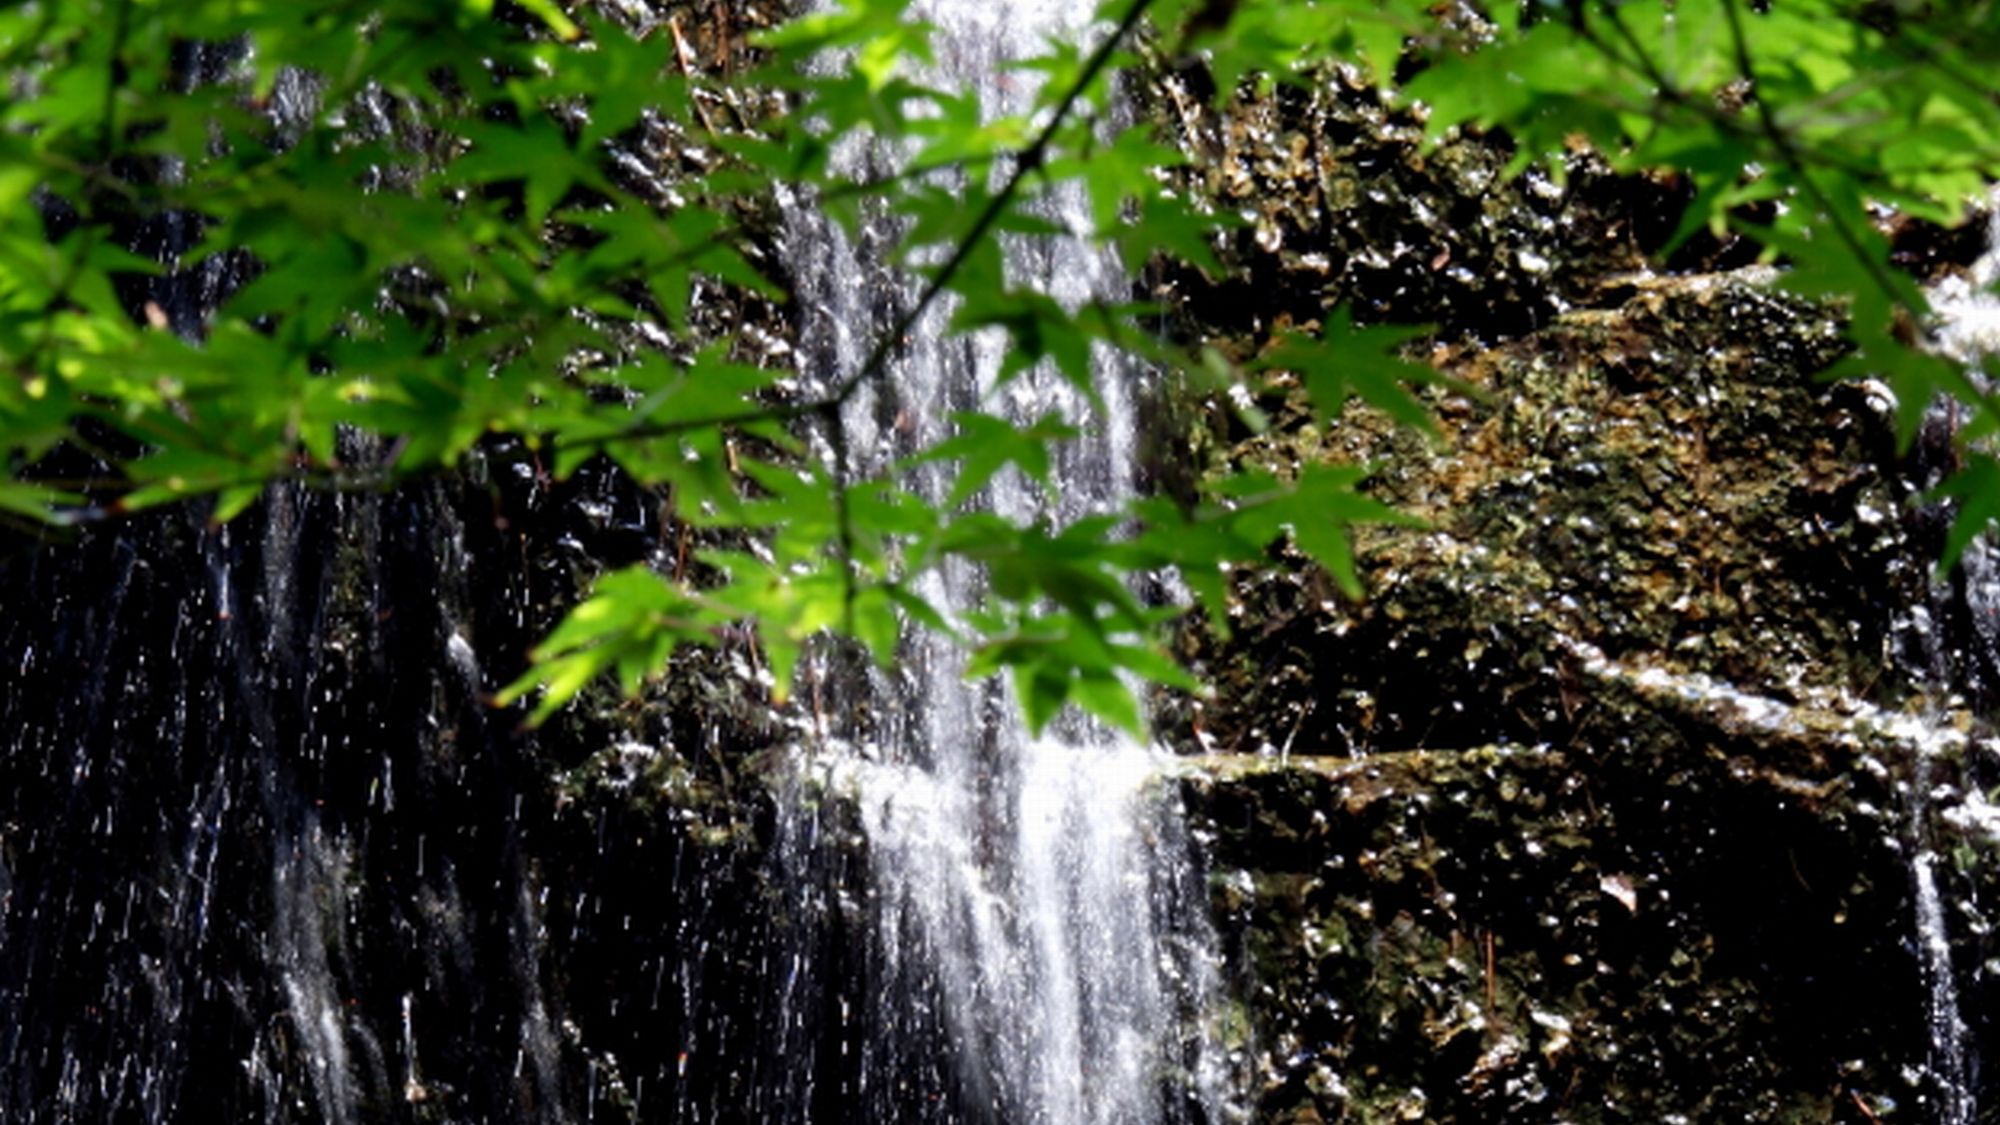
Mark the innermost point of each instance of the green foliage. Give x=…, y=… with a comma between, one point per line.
x=439, y=247
x=1360, y=362
x=1831, y=110
x=986, y=444
x=630, y=625
x=1976, y=487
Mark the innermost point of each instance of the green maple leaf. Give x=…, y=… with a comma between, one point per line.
x=986, y=444
x=1976, y=487
x=1317, y=509
x=1362, y=363
x=535, y=151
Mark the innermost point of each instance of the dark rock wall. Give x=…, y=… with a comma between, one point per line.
x=1602, y=806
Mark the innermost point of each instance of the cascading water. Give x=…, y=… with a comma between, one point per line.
x=265, y=855
x=1966, y=608
x=1951, y=1049
x=1032, y=899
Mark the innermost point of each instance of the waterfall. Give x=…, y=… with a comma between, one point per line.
x=1953, y=642
x=267, y=855
x=1951, y=1049
x=1040, y=948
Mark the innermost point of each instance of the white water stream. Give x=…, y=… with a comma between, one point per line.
x=1032, y=899
x=1968, y=330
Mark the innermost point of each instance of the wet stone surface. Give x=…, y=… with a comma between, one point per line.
x=1602, y=806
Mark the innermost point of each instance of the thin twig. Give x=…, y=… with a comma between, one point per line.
x=844, y=525
x=1027, y=161
x=685, y=56
x=1671, y=95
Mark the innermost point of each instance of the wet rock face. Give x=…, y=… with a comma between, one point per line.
x=1585, y=814
x=268, y=854
x=1499, y=935
x=1341, y=202
x=1664, y=477
x=1505, y=844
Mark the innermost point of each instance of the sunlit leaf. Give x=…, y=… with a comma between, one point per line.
x=1976, y=488
x=986, y=444
x=630, y=625
x=1361, y=362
